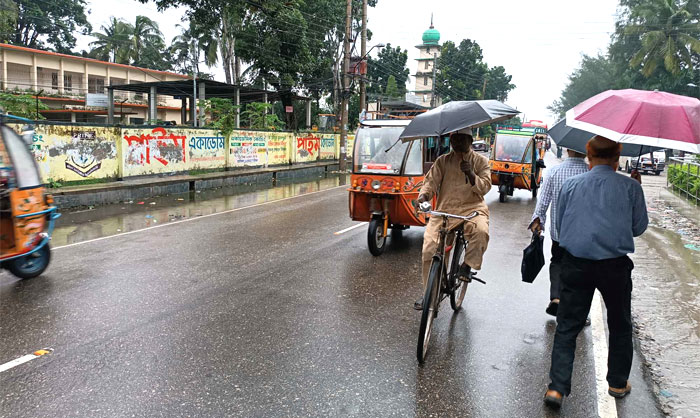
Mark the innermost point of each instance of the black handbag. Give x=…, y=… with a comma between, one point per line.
x=533, y=258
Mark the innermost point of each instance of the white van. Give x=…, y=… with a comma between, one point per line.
x=647, y=164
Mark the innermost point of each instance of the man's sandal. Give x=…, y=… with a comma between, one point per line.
x=465, y=273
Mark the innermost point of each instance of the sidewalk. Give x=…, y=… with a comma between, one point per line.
x=152, y=186
x=666, y=297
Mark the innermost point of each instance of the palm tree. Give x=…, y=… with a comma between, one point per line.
x=669, y=32
x=112, y=44
x=182, y=48
x=146, y=41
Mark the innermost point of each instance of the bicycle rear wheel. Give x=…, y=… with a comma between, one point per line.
x=430, y=305
x=460, y=287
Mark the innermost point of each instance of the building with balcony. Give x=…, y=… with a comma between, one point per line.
x=63, y=82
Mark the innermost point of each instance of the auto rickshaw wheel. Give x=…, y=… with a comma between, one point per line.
x=31, y=265
x=375, y=239
x=534, y=192
x=502, y=197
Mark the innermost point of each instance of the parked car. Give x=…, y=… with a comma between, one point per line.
x=480, y=146
x=647, y=164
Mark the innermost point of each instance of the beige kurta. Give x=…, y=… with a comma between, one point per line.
x=456, y=195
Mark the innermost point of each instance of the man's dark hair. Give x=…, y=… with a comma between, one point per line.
x=603, y=148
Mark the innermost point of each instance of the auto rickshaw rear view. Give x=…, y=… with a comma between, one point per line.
x=27, y=213
x=517, y=160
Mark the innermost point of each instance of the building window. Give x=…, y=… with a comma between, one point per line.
x=96, y=85
x=428, y=50
x=427, y=64
x=54, y=81
x=425, y=80
x=67, y=82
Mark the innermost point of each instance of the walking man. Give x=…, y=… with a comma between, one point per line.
x=600, y=212
x=549, y=195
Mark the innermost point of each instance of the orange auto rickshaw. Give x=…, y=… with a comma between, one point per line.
x=27, y=213
x=517, y=161
x=386, y=177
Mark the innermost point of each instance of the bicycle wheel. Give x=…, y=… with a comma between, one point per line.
x=430, y=305
x=460, y=287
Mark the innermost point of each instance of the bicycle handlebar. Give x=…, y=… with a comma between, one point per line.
x=449, y=215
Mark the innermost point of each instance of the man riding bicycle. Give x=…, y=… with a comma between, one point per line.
x=460, y=179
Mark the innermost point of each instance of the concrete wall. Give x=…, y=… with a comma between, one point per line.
x=70, y=153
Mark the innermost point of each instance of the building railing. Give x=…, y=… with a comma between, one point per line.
x=684, y=177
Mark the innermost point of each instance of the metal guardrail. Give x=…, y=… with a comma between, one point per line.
x=684, y=177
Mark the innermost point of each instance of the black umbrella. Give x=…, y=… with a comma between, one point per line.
x=576, y=139
x=454, y=116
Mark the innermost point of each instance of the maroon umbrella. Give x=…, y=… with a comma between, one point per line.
x=651, y=118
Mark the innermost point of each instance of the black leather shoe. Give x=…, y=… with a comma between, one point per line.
x=553, y=399
x=418, y=305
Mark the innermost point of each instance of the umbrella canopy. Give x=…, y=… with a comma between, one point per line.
x=576, y=139
x=651, y=118
x=453, y=116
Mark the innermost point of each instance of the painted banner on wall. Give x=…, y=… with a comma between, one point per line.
x=206, y=149
x=67, y=153
x=308, y=148
x=328, y=146
x=247, y=149
x=278, y=146
x=154, y=151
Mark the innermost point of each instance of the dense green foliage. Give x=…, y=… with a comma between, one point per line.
x=462, y=74
x=260, y=116
x=140, y=44
x=24, y=105
x=390, y=62
x=656, y=45
x=47, y=24
x=685, y=177
x=223, y=115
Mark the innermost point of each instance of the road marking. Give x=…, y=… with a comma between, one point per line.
x=24, y=359
x=606, y=403
x=194, y=219
x=350, y=229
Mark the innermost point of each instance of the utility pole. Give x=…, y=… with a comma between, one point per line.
x=433, y=102
x=483, y=89
x=363, y=52
x=346, y=91
x=194, y=81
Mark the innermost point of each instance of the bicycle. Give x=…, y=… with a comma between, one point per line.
x=442, y=279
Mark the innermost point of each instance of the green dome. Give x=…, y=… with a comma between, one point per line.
x=431, y=36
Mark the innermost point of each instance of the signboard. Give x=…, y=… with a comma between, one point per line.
x=97, y=100
x=289, y=109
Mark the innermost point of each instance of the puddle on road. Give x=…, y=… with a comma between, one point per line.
x=86, y=224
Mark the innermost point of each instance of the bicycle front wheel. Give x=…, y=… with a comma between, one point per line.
x=430, y=305
x=459, y=287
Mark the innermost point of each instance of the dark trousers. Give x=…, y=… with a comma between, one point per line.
x=555, y=270
x=579, y=279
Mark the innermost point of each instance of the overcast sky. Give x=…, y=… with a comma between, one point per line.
x=539, y=46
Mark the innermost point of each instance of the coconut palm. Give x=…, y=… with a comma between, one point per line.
x=182, y=48
x=669, y=32
x=147, y=44
x=112, y=44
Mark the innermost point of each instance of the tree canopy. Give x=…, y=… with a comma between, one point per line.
x=390, y=62
x=656, y=45
x=48, y=24
x=462, y=74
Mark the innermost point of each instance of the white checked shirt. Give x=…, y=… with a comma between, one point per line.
x=551, y=186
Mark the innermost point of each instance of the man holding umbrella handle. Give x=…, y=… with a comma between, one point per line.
x=460, y=179
x=600, y=213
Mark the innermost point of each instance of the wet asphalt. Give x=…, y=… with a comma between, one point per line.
x=264, y=311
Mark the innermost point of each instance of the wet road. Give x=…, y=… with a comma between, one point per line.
x=264, y=311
